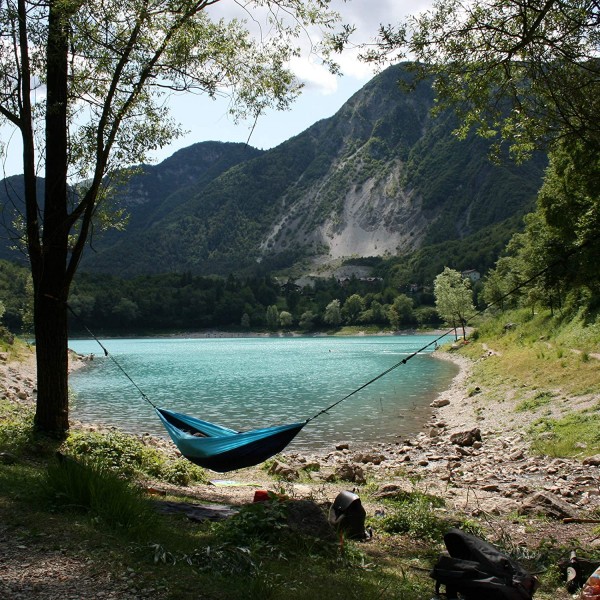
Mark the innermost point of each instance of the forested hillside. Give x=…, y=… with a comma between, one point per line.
x=380, y=178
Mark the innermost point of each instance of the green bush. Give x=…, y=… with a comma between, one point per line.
x=130, y=457
x=414, y=513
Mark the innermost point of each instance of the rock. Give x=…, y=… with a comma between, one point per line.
x=547, y=504
x=342, y=446
x=350, y=472
x=369, y=457
x=517, y=455
x=440, y=402
x=490, y=487
x=284, y=471
x=592, y=460
x=393, y=490
x=466, y=438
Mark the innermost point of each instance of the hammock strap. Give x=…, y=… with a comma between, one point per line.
x=362, y=387
x=115, y=361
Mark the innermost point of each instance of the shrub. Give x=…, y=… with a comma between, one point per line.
x=414, y=514
x=130, y=457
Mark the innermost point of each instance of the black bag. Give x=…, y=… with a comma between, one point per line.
x=478, y=571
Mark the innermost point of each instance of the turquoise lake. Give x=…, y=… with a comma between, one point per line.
x=245, y=383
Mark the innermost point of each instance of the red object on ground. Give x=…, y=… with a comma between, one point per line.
x=261, y=496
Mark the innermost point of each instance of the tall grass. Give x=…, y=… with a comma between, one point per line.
x=92, y=489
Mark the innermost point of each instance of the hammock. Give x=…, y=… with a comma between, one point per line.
x=222, y=449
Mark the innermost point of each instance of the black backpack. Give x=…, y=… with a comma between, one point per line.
x=478, y=571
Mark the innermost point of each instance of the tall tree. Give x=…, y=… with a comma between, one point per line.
x=333, y=313
x=453, y=298
x=84, y=82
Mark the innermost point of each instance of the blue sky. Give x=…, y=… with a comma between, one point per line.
x=204, y=119
x=323, y=94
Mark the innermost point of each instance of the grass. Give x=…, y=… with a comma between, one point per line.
x=575, y=435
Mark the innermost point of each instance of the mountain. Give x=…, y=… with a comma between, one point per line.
x=380, y=177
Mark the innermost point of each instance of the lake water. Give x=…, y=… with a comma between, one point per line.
x=245, y=383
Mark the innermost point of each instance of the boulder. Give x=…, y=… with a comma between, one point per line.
x=440, y=402
x=592, y=460
x=466, y=438
x=350, y=472
x=369, y=457
x=284, y=471
x=547, y=504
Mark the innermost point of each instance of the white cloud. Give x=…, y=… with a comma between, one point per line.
x=313, y=75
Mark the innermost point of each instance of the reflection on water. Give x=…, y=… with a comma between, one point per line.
x=253, y=382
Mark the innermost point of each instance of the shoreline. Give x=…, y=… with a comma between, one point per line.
x=220, y=334
x=494, y=474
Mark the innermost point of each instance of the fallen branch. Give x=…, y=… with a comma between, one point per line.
x=576, y=520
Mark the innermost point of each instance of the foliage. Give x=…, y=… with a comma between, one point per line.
x=128, y=456
x=524, y=72
x=352, y=308
x=259, y=523
x=272, y=317
x=577, y=434
x=333, y=313
x=453, y=297
x=555, y=255
x=414, y=513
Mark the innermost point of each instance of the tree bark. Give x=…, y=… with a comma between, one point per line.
x=50, y=280
x=51, y=335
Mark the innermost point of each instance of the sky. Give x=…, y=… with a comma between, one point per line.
x=204, y=119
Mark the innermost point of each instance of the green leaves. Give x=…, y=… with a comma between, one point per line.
x=526, y=72
x=453, y=297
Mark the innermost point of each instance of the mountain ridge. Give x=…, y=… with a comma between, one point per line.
x=381, y=177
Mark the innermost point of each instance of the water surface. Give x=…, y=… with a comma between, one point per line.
x=245, y=383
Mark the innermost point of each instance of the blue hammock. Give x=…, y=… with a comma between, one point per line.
x=222, y=449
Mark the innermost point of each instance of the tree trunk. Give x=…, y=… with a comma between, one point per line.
x=49, y=266
x=51, y=335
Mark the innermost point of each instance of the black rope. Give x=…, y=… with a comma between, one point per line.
x=115, y=361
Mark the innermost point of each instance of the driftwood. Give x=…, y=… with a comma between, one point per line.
x=576, y=520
